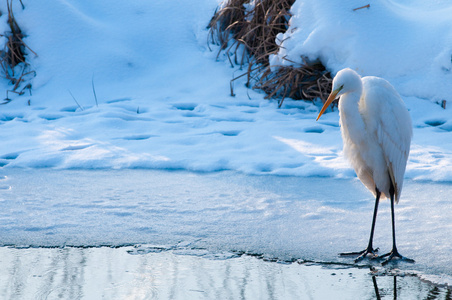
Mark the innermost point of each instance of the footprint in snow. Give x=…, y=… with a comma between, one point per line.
x=185, y=106
x=10, y=156
x=314, y=129
x=137, y=137
x=435, y=122
x=76, y=147
x=9, y=117
x=69, y=109
x=118, y=100
x=50, y=117
x=230, y=132
x=7, y=158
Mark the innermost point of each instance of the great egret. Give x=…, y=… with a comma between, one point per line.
x=376, y=131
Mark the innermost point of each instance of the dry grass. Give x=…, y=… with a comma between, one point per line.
x=13, y=62
x=248, y=37
x=307, y=82
x=255, y=29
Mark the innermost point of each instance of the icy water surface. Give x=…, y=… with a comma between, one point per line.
x=121, y=273
x=289, y=219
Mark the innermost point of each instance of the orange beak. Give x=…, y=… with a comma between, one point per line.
x=330, y=99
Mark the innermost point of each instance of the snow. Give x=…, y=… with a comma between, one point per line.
x=163, y=102
x=409, y=44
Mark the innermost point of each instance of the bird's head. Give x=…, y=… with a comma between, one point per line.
x=345, y=81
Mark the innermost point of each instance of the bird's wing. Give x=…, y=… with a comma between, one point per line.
x=392, y=127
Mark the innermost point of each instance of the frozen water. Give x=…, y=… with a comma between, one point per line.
x=106, y=273
x=282, y=218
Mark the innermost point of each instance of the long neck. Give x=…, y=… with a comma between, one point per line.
x=352, y=123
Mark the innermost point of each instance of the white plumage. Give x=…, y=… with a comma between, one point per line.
x=376, y=131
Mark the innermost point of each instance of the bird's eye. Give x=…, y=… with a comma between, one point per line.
x=339, y=89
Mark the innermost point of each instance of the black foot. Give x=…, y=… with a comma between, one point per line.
x=395, y=254
x=362, y=254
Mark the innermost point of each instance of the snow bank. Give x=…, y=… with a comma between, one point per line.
x=408, y=43
x=163, y=101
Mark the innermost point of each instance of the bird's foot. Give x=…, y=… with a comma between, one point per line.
x=362, y=254
x=395, y=254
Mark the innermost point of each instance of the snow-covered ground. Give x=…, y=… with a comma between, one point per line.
x=163, y=100
x=164, y=103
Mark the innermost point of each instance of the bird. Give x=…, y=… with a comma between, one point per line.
x=376, y=130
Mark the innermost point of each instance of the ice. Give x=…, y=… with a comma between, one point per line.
x=96, y=273
x=209, y=214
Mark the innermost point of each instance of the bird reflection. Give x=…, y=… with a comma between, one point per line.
x=434, y=292
x=377, y=291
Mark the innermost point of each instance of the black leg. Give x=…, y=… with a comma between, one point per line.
x=394, y=252
x=377, y=293
x=369, y=249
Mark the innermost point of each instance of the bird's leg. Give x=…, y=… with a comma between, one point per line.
x=394, y=252
x=369, y=249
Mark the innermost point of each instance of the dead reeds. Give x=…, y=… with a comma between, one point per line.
x=13, y=63
x=309, y=81
x=245, y=28
x=246, y=32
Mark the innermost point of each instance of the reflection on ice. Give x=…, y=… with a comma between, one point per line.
x=113, y=273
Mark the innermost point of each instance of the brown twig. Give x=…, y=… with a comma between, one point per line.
x=14, y=54
x=250, y=36
x=365, y=6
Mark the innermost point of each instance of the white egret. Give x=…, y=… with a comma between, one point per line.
x=376, y=131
